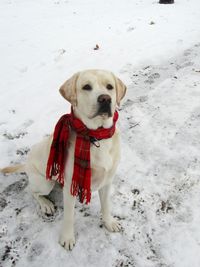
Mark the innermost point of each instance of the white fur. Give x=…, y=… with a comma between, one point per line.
x=104, y=159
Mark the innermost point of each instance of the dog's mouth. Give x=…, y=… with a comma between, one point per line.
x=104, y=111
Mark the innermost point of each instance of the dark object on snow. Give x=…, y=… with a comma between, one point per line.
x=166, y=2
x=96, y=47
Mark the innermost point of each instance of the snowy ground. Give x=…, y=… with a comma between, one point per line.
x=155, y=49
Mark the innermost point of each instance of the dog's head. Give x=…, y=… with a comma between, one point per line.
x=94, y=94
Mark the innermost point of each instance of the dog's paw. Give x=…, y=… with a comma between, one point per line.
x=112, y=225
x=67, y=241
x=47, y=207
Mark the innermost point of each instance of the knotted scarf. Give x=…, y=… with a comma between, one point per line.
x=81, y=179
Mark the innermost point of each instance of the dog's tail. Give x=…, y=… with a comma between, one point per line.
x=15, y=168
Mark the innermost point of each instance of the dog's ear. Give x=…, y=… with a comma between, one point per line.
x=120, y=90
x=68, y=89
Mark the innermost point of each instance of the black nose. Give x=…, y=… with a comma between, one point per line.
x=104, y=99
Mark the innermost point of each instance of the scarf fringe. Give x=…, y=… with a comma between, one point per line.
x=82, y=193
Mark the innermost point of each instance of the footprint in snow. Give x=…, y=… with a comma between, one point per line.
x=16, y=187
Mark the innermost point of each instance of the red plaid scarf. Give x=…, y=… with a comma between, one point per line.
x=81, y=179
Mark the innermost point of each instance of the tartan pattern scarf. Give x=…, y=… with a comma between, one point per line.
x=81, y=180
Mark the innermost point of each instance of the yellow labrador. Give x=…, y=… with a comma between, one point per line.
x=85, y=91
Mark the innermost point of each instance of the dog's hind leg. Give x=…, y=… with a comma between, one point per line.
x=46, y=206
x=41, y=187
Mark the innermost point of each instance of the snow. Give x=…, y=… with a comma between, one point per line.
x=155, y=50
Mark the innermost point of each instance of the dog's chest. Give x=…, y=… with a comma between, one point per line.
x=103, y=160
x=101, y=157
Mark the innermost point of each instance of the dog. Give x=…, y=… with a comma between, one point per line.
x=94, y=96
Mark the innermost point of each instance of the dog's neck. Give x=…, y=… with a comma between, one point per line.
x=94, y=123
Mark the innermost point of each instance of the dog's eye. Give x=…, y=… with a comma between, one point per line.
x=109, y=86
x=87, y=87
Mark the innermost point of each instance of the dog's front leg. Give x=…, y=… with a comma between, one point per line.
x=67, y=239
x=110, y=223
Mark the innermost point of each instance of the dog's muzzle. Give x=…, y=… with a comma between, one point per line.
x=104, y=105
